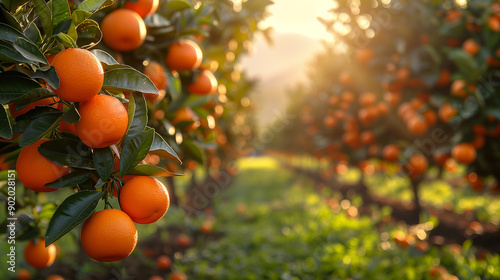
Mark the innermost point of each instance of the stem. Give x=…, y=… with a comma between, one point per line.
x=416, y=200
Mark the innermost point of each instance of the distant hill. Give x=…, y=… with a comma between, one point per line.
x=278, y=67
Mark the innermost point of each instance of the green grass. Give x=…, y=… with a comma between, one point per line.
x=290, y=232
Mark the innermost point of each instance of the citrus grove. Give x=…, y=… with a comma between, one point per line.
x=405, y=91
x=102, y=103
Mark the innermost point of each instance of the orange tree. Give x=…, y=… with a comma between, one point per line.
x=90, y=120
x=413, y=83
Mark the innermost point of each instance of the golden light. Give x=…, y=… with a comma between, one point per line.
x=461, y=3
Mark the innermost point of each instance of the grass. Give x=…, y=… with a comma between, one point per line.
x=288, y=231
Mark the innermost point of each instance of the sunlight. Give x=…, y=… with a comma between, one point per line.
x=294, y=16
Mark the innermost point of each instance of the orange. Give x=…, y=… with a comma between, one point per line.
x=103, y=121
x=145, y=199
x=156, y=74
x=464, y=153
x=156, y=277
x=471, y=47
x=23, y=274
x=440, y=158
x=34, y=170
x=417, y=164
x=163, y=262
x=367, y=99
x=367, y=137
x=177, y=276
x=184, y=55
x=447, y=112
x=391, y=152
x=143, y=7
x=39, y=256
x=54, y=277
x=206, y=227
x=185, y=114
x=205, y=83
x=123, y=30
x=67, y=127
x=183, y=240
x=417, y=125
x=50, y=101
x=80, y=75
x=430, y=117
x=444, y=78
x=364, y=55
x=108, y=235
x=494, y=23
x=460, y=88
x=345, y=78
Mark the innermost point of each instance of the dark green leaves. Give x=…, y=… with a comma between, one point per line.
x=70, y=180
x=161, y=148
x=103, y=162
x=72, y=211
x=5, y=126
x=152, y=170
x=68, y=152
x=49, y=74
x=128, y=79
x=175, y=6
x=37, y=123
x=137, y=115
x=15, y=85
x=135, y=150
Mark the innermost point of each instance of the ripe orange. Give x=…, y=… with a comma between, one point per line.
x=447, y=112
x=207, y=227
x=185, y=114
x=163, y=262
x=156, y=277
x=444, y=78
x=108, y=235
x=440, y=158
x=471, y=47
x=430, y=117
x=345, y=78
x=417, y=164
x=37, y=255
x=367, y=137
x=367, y=99
x=183, y=240
x=23, y=274
x=391, y=152
x=464, y=153
x=80, y=75
x=143, y=7
x=123, y=30
x=494, y=23
x=177, y=276
x=205, y=83
x=34, y=170
x=103, y=121
x=42, y=102
x=67, y=127
x=184, y=55
x=145, y=199
x=460, y=88
x=417, y=125
x=364, y=55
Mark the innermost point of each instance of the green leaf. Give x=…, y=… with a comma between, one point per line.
x=29, y=50
x=72, y=115
x=70, y=180
x=104, y=162
x=128, y=79
x=49, y=74
x=32, y=96
x=161, y=148
x=39, y=127
x=33, y=34
x=152, y=170
x=14, y=85
x=45, y=16
x=89, y=33
x=174, y=6
x=93, y=6
x=5, y=126
x=137, y=114
x=66, y=40
x=10, y=55
x=72, y=211
x=8, y=33
x=61, y=12
x=174, y=85
x=104, y=57
x=68, y=152
x=135, y=150
x=191, y=148
x=466, y=63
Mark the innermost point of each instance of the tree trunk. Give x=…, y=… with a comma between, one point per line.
x=417, y=208
x=171, y=191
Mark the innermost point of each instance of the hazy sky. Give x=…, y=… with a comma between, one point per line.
x=299, y=16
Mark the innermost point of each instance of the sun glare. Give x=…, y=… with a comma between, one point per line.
x=301, y=17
